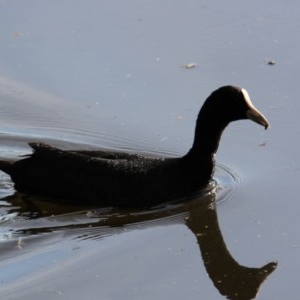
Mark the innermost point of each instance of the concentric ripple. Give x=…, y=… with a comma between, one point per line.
x=228, y=181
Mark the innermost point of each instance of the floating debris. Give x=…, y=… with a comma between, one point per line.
x=17, y=34
x=189, y=66
x=271, y=62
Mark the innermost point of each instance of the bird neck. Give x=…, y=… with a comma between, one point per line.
x=207, y=137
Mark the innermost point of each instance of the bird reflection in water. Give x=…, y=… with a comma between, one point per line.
x=235, y=281
x=229, y=277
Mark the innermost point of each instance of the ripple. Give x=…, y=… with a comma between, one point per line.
x=228, y=181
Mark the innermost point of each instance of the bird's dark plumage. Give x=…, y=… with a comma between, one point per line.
x=132, y=180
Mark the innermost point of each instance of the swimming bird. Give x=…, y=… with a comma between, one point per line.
x=118, y=179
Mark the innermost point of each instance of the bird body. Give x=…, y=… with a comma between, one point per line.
x=108, y=178
x=132, y=180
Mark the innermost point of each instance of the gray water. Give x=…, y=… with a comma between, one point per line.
x=113, y=75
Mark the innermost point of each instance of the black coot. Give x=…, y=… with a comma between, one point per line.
x=133, y=180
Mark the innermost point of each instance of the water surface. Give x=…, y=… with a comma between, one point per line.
x=112, y=75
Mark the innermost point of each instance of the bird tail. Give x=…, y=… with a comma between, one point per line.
x=6, y=166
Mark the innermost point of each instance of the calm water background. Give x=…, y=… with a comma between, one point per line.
x=111, y=74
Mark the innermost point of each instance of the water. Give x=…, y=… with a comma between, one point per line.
x=112, y=75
